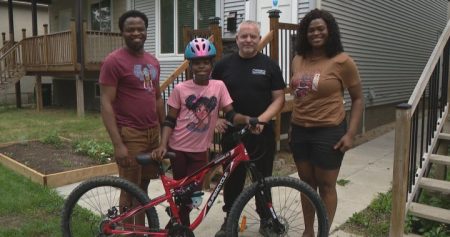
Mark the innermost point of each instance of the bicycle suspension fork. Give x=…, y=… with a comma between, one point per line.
x=264, y=198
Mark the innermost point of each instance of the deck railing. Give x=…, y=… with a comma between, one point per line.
x=418, y=124
x=7, y=45
x=99, y=44
x=48, y=51
x=57, y=52
x=286, y=44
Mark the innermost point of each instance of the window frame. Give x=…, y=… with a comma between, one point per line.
x=175, y=55
x=111, y=3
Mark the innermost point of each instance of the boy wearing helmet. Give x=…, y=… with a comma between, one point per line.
x=192, y=115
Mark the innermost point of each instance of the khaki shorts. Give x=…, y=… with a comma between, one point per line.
x=139, y=141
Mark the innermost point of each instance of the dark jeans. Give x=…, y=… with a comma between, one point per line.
x=261, y=147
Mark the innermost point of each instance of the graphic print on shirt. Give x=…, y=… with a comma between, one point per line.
x=146, y=73
x=199, y=112
x=306, y=83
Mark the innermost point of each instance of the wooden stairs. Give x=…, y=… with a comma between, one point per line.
x=435, y=186
x=11, y=66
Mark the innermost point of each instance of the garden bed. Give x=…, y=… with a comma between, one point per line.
x=51, y=165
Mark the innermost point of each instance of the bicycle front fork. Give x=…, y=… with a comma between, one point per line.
x=263, y=200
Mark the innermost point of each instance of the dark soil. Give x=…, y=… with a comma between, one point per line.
x=47, y=158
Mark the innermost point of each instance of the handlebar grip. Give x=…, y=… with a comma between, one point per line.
x=255, y=121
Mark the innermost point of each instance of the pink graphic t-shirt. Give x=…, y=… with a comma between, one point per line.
x=137, y=82
x=198, y=112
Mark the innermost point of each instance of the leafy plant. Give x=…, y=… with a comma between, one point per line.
x=99, y=151
x=382, y=204
x=343, y=182
x=437, y=231
x=359, y=219
x=53, y=139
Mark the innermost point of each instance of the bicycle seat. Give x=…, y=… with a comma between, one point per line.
x=145, y=158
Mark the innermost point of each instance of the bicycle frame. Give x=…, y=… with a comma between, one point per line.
x=235, y=156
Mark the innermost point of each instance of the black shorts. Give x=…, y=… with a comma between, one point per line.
x=315, y=144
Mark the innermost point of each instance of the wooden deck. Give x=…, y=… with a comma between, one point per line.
x=57, y=53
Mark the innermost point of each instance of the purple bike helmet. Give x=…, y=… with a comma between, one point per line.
x=199, y=48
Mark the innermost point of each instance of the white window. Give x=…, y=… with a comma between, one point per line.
x=174, y=14
x=100, y=18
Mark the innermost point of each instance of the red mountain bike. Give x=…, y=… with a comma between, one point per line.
x=92, y=208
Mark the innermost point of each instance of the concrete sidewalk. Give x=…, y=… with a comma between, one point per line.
x=368, y=167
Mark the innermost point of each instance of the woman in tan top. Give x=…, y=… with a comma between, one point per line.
x=319, y=135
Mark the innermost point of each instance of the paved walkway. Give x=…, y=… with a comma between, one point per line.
x=368, y=167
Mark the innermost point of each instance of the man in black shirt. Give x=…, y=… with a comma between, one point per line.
x=256, y=86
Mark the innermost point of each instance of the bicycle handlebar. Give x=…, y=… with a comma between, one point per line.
x=251, y=124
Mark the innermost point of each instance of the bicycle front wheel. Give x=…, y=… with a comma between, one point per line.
x=286, y=194
x=96, y=201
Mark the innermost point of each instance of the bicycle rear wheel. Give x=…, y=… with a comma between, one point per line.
x=96, y=201
x=243, y=220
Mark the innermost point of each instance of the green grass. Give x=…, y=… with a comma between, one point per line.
x=374, y=220
x=26, y=208
x=27, y=124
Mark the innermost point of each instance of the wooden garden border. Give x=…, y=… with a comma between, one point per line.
x=56, y=179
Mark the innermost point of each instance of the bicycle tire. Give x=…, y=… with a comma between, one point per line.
x=87, y=203
x=243, y=219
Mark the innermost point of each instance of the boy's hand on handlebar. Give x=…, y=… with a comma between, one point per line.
x=158, y=153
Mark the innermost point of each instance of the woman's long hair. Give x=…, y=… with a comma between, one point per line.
x=333, y=46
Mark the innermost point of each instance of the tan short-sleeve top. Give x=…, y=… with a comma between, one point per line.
x=318, y=85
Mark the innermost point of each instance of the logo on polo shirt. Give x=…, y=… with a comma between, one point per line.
x=258, y=71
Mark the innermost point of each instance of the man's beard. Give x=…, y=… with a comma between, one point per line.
x=135, y=47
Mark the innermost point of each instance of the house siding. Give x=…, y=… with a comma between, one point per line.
x=303, y=8
x=390, y=42
x=233, y=6
x=149, y=8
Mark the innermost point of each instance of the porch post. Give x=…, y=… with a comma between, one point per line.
x=80, y=57
x=3, y=38
x=400, y=171
x=38, y=78
x=11, y=21
x=215, y=29
x=45, y=46
x=34, y=17
x=274, y=16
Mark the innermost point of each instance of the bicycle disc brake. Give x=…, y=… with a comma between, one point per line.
x=180, y=231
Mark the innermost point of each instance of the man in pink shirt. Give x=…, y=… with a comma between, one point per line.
x=132, y=107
